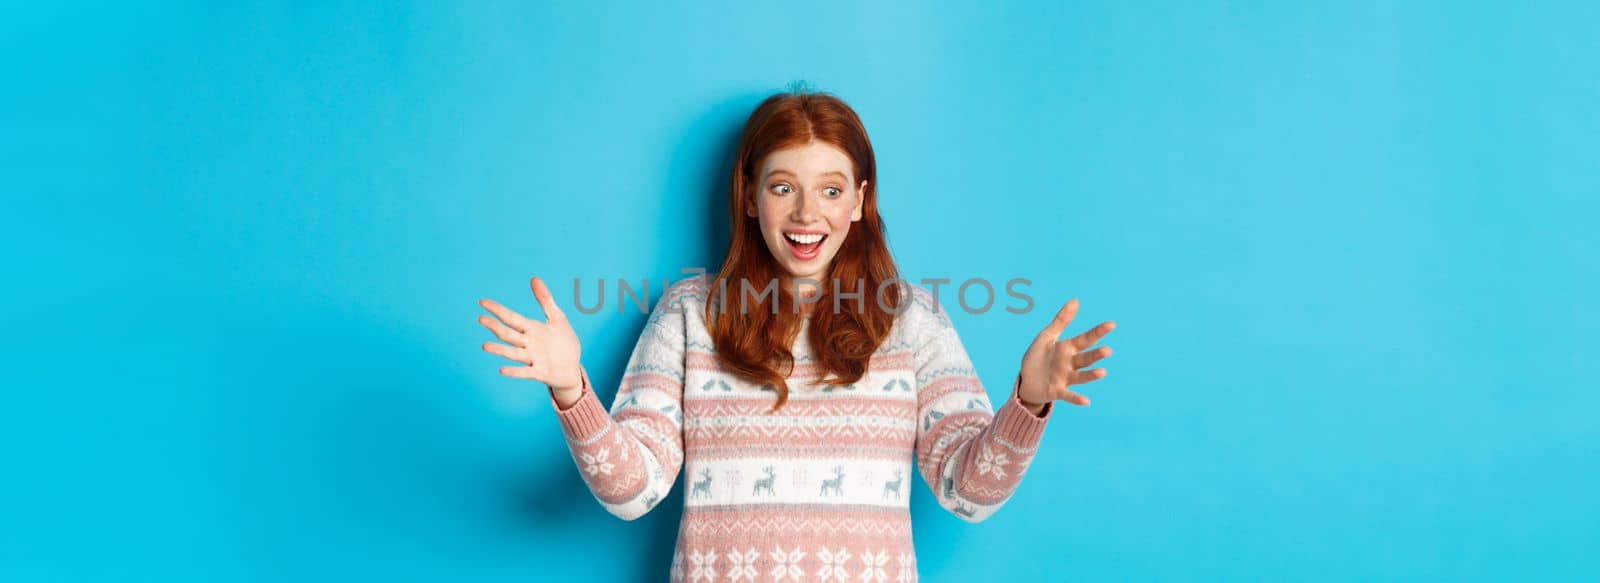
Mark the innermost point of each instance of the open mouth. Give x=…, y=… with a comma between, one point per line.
x=804, y=245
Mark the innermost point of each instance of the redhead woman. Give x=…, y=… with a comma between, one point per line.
x=795, y=388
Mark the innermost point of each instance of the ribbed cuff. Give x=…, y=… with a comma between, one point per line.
x=586, y=417
x=1016, y=423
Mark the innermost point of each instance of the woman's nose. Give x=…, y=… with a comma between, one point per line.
x=805, y=209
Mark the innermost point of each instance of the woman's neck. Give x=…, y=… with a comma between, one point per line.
x=804, y=291
x=801, y=287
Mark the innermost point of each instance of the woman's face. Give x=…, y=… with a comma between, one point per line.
x=805, y=202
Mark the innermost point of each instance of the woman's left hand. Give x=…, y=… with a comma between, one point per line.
x=1051, y=366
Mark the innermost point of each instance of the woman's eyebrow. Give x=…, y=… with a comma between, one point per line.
x=825, y=174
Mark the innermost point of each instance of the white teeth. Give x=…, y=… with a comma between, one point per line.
x=803, y=239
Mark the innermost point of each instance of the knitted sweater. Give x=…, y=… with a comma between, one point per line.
x=817, y=490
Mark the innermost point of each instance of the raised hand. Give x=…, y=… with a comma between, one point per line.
x=544, y=351
x=1050, y=366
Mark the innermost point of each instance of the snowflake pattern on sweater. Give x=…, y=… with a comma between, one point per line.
x=816, y=491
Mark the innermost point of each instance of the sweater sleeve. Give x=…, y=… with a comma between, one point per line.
x=970, y=455
x=631, y=456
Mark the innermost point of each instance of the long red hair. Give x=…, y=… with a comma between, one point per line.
x=753, y=342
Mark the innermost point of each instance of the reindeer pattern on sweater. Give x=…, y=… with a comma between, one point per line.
x=815, y=491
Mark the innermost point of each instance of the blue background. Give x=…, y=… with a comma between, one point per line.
x=1347, y=246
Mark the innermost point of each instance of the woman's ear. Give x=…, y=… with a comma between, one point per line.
x=750, y=203
x=861, y=197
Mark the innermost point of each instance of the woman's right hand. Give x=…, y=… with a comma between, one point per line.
x=544, y=351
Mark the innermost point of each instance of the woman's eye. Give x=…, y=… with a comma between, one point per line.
x=833, y=192
x=780, y=188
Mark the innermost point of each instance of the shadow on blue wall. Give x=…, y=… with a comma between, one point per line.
x=546, y=501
